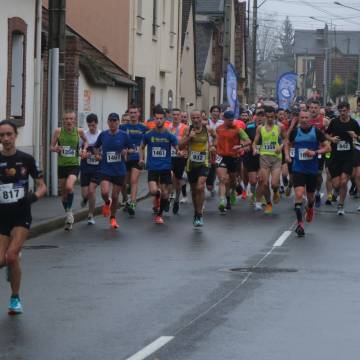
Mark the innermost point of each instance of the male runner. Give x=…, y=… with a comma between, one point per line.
x=196, y=142
x=178, y=160
x=89, y=168
x=65, y=142
x=342, y=131
x=269, y=136
x=229, y=140
x=135, y=131
x=111, y=148
x=308, y=142
x=282, y=118
x=15, y=206
x=159, y=142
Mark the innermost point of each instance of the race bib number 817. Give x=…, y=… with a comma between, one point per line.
x=10, y=194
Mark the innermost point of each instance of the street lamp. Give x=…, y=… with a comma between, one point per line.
x=326, y=58
x=346, y=6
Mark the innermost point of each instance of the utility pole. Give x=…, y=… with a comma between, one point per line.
x=253, y=57
x=226, y=50
x=57, y=25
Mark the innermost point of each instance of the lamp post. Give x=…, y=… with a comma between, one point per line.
x=326, y=59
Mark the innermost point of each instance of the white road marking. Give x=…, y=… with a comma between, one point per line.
x=280, y=241
x=151, y=348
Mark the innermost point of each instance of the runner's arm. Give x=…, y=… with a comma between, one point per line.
x=84, y=139
x=54, y=141
x=256, y=140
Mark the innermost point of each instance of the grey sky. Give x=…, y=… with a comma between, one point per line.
x=300, y=11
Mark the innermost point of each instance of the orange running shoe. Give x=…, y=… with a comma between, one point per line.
x=106, y=209
x=268, y=209
x=159, y=219
x=244, y=195
x=113, y=223
x=309, y=214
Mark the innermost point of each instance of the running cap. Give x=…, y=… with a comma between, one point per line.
x=229, y=115
x=113, y=116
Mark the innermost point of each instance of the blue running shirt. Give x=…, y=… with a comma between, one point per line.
x=136, y=134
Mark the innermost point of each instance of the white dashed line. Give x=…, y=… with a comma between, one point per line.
x=280, y=241
x=151, y=348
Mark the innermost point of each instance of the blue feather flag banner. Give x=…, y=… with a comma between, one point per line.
x=286, y=89
x=231, y=89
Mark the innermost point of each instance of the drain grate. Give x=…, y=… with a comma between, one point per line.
x=262, y=270
x=40, y=247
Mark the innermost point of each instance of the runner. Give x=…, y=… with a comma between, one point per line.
x=135, y=131
x=15, y=206
x=111, y=148
x=159, y=142
x=178, y=160
x=269, y=136
x=196, y=143
x=284, y=121
x=341, y=132
x=65, y=142
x=89, y=178
x=308, y=142
x=229, y=141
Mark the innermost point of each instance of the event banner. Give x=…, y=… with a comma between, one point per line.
x=285, y=89
x=231, y=89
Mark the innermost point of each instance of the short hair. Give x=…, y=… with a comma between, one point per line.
x=133, y=106
x=269, y=109
x=215, y=107
x=280, y=109
x=92, y=118
x=343, y=104
x=314, y=101
x=158, y=109
x=10, y=123
x=176, y=109
x=70, y=111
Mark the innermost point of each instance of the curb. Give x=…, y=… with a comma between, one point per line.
x=58, y=223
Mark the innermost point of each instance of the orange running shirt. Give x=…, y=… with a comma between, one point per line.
x=227, y=138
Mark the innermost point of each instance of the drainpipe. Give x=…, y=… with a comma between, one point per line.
x=37, y=84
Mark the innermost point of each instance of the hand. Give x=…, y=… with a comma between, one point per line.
x=310, y=153
x=335, y=139
x=57, y=149
x=84, y=154
x=124, y=152
x=192, y=134
x=278, y=149
x=288, y=159
x=98, y=157
x=142, y=163
x=352, y=134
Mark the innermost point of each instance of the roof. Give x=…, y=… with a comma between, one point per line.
x=203, y=42
x=311, y=41
x=209, y=6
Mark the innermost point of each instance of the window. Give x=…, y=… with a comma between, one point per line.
x=16, y=75
x=155, y=19
x=139, y=17
x=172, y=23
x=170, y=100
x=152, y=99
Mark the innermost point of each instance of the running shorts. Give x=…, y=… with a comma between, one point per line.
x=229, y=163
x=14, y=216
x=162, y=177
x=65, y=171
x=196, y=172
x=178, y=167
x=338, y=167
x=305, y=180
x=116, y=180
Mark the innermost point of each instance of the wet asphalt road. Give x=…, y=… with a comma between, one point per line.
x=104, y=294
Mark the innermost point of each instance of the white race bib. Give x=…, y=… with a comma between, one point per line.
x=113, y=157
x=218, y=159
x=91, y=160
x=343, y=146
x=303, y=156
x=269, y=147
x=158, y=152
x=67, y=151
x=198, y=157
x=292, y=152
x=10, y=194
x=173, y=152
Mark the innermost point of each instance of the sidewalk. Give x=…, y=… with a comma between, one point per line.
x=48, y=213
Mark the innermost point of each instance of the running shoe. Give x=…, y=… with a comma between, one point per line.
x=83, y=203
x=106, y=209
x=176, y=207
x=268, y=209
x=300, y=232
x=69, y=221
x=258, y=207
x=159, y=219
x=276, y=197
x=282, y=189
x=309, y=216
x=222, y=206
x=317, y=200
x=91, y=220
x=228, y=205
x=212, y=193
x=131, y=209
x=244, y=195
x=184, y=200
x=288, y=191
x=341, y=211
x=113, y=223
x=15, y=307
x=329, y=199
x=201, y=221
x=196, y=222
x=233, y=198
x=126, y=207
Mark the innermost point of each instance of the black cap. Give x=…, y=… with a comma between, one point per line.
x=113, y=116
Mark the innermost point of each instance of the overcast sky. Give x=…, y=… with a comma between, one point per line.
x=299, y=12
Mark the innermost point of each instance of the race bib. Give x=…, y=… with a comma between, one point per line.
x=67, y=151
x=218, y=159
x=269, y=147
x=158, y=152
x=113, y=157
x=91, y=160
x=173, y=152
x=292, y=152
x=10, y=194
x=198, y=157
x=303, y=156
x=343, y=146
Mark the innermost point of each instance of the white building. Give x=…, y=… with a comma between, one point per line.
x=20, y=69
